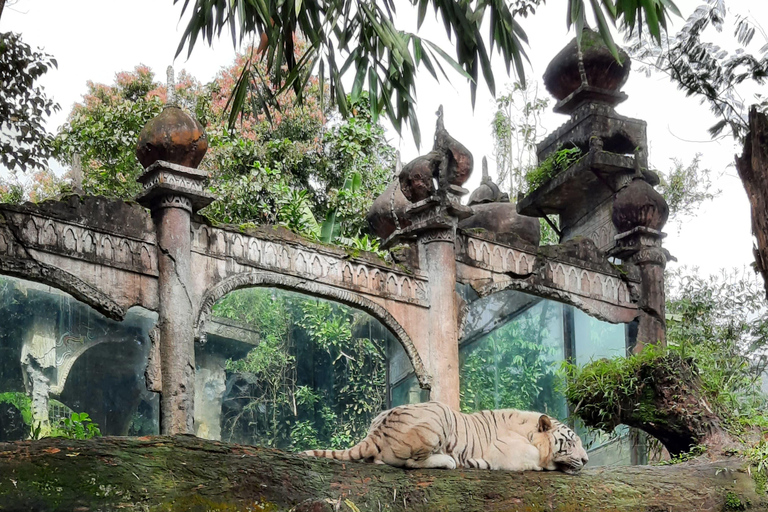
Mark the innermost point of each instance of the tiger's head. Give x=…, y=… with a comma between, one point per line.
x=559, y=446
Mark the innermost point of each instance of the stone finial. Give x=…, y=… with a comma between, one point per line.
x=76, y=174
x=591, y=72
x=488, y=191
x=173, y=136
x=170, y=147
x=639, y=205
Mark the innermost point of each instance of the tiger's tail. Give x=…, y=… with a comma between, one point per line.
x=364, y=450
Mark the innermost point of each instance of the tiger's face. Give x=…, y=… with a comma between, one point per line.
x=567, y=453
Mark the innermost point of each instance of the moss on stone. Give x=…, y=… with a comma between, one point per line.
x=734, y=502
x=761, y=481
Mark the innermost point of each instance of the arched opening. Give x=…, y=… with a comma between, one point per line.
x=510, y=356
x=315, y=289
x=293, y=371
x=59, y=356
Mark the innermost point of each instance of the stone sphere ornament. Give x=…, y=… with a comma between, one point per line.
x=562, y=77
x=639, y=205
x=173, y=136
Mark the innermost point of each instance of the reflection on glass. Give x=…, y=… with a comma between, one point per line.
x=58, y=356
x=596, y=340
x=291, y=371
x=515, y=364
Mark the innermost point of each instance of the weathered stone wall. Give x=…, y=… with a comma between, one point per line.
x=106, y=254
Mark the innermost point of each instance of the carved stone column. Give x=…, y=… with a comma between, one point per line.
x=439, y=261
x=639, y=213
x=170, y=147
x=651, y=321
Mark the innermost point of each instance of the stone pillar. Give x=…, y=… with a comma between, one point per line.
x=177, y=350
x=652, y=326
x=439, y=261
x=170, y=148
x=639, y=214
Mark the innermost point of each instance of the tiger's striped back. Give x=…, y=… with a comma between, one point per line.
x=431, y=435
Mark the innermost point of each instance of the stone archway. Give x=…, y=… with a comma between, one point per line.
x=271, y=279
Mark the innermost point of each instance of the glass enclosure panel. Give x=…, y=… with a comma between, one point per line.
x=292, y=371
x=59, y=356
x=510, y=354
x=408, y=391
x=596, y=339
x=403, y=384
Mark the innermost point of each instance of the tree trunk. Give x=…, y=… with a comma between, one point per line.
x=660, y=395
x=753, y=171
x=187, y=473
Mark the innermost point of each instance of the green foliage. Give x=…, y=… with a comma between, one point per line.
x=103, y=133
x=720, y=322
x=513, y=366
x=733, y=502
x=11, y=192
x=289, y=168
x=280, y=397
x=686, y=187
x=555, y=163
x=716, y=325
x=22, y=402
x=515, y=127
x=758, y=456
x=695, y=61
x=77, y=426
x=548, y=235
x=24, y=142
x=363, y=36
x=36, y=187
x=694, y=452
x=601, y=388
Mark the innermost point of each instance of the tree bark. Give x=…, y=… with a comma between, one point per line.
x=753, y=171
x=187, y=473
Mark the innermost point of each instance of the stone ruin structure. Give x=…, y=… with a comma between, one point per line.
x=460, y=269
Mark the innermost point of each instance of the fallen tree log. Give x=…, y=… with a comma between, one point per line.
x=187, y=473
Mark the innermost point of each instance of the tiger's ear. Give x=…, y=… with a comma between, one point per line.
x=545, y=424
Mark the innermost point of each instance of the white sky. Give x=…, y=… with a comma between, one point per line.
x=95, y=39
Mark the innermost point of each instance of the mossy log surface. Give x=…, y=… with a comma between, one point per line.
x=186, y=473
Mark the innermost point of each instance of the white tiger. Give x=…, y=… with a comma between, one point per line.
x=431, y=435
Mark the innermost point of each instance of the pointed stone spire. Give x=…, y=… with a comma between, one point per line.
x=486, y=177
x=170, y=85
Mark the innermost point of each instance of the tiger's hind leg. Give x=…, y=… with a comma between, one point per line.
x=434, y=461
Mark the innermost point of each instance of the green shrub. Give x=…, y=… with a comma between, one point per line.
x=555, y=163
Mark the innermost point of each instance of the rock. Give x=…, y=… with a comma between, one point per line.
x=504, y=222
x=386, y=212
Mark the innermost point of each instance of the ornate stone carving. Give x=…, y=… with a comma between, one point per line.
x=546, y=273
x=73, y=240
x=175, y=201
x=174, y=179
x=316, y=264
x=438, y=235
